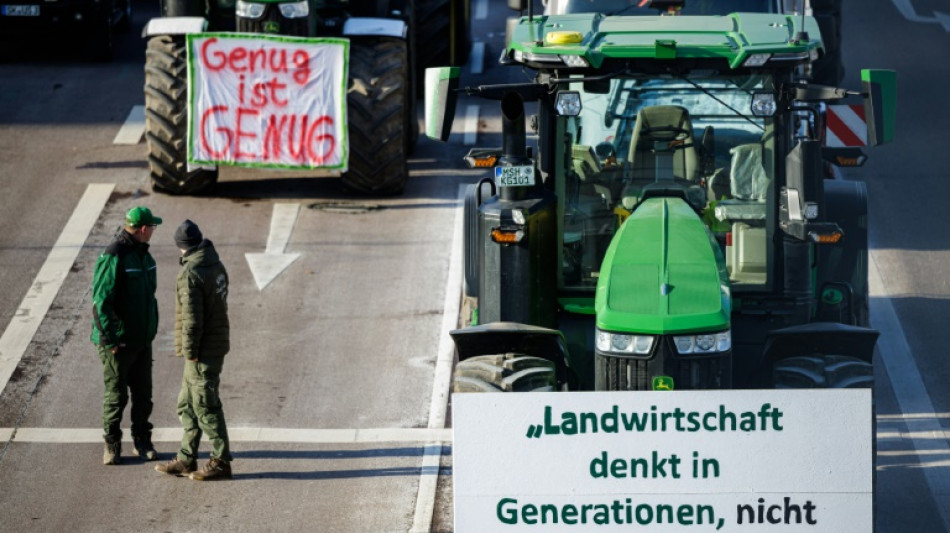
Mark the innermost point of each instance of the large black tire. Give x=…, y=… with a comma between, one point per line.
x=823, y=372
x=378, y=111
x=511, y=372
x=442, y=35
x=166, y=119
x=125, y=21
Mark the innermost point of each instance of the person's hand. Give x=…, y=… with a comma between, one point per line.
x=115, y=349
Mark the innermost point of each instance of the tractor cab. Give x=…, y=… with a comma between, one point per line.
x=676, y=228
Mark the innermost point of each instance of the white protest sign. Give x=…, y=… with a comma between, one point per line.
x=267, y=101
x=743, y=460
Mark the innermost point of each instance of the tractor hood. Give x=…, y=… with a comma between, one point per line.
x=545, y=41
x=663, y=273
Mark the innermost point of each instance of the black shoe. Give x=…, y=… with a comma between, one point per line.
x=215, y=469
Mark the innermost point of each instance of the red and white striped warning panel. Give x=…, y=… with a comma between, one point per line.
x=846, y=126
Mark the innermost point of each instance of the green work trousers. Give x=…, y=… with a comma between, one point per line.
x=127, y=371
x=200, y=411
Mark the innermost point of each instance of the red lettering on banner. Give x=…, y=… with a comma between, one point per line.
x=305, y=142
x=225, y=131
x=241, y=113
x=216, y=55
x=240, y=59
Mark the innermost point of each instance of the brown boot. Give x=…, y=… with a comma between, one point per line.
x=176, y=467
x=112, y=454
x=215, y=469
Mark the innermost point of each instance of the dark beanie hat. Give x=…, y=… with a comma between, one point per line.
x=188, y=235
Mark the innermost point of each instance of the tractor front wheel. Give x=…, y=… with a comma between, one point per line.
x=166, y=119
x=511, y=372
x=378, y=109
x=823, y=372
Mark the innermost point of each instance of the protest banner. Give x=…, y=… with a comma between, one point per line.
x=736, y=460
x=267, y=101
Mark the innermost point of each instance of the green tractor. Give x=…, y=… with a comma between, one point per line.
x=391, y=43
x=673, y=228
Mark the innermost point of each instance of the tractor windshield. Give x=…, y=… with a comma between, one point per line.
x=696, y=133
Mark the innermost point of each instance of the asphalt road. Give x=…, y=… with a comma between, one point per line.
x=332, y=388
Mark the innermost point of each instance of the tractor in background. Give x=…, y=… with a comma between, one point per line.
x=673, y=227
x=391, y=43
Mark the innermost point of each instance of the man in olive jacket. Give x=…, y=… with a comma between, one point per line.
x=202, y=334
x=124, y=323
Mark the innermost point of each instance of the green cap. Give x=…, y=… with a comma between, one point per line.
x=141, y=216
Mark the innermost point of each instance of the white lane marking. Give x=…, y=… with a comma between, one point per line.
x=909, y=389
x=238, y=434
x=481, y=9
x=439, y=399
x=906, y=9
x=471, y=124
x=267, y=266
x=134, y=128
x=36, y=303
x=477, y=58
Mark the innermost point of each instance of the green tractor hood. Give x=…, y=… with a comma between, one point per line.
x=663, y=274
x=594, y=38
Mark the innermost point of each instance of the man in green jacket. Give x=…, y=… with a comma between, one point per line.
x=124, y=323
x=202, y=338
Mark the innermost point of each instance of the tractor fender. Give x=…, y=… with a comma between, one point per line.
x=379, y=27
x=512, y=337
x=819, y=338
x=174, y=26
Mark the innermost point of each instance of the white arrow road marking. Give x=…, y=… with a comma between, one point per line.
x=131, y=132
x=16, y=338
x=907, y=9
x=267, y=266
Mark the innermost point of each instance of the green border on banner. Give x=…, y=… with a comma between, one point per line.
x=191, y=37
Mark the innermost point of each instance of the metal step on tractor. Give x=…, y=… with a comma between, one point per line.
x=391, y=43
x=672, y=228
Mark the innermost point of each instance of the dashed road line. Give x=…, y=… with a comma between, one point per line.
x=134, y=128
x=38, y=299
x=471, y=124
x=477, y=57
x=481, y=9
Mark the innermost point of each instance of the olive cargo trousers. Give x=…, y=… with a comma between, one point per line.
x=200, y=410
x=127, y=371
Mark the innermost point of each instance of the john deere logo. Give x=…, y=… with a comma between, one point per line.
x=271, y=26
x=662, y=383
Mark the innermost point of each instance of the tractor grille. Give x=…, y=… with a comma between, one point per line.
x=625, y=373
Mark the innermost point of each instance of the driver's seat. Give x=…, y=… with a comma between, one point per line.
x=661, y=146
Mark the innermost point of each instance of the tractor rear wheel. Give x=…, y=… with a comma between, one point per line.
x=442, y=36
x=166, y=119
x=378, y=109
x=823, y=372
x=511, y=372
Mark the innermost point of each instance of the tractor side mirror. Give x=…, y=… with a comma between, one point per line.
x=880, y=104
x=440, y=97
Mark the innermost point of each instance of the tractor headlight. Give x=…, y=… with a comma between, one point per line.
x=568, y=103
x=624, y=343
x=703, y=343
x=294, y=10
x=249, y=10
x=763, y=105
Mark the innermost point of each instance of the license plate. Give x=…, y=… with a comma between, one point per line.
x=21, y=11
x=514, y=176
